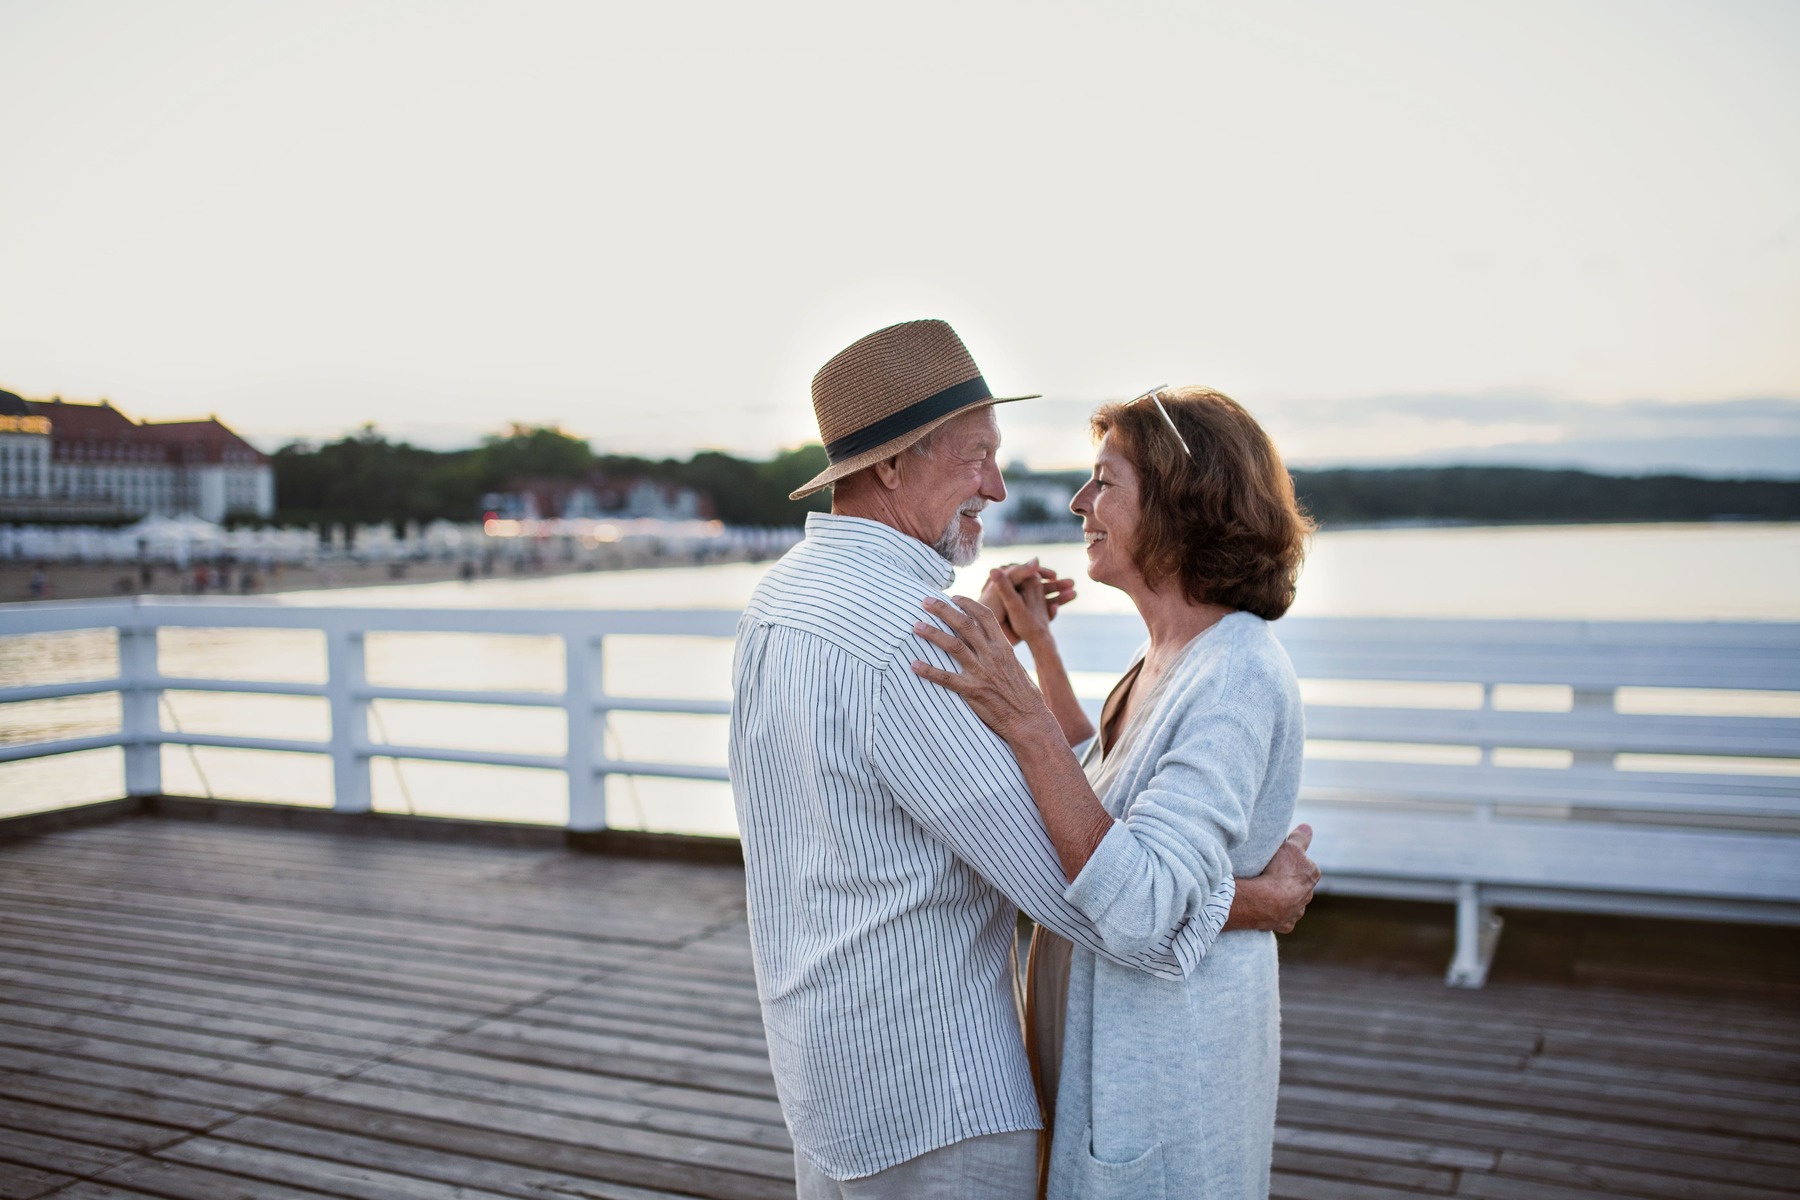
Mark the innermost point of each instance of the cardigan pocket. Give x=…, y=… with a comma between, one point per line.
x=1139, y=1179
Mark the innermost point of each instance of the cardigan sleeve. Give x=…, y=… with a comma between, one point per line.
x=1160, y=864
x=956, y=778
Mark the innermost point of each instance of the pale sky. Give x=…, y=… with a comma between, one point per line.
x=1394, y=230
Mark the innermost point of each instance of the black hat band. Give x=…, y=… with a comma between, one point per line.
x=938, y=404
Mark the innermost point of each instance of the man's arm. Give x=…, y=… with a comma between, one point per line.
x=1277, y=899
x=954, y=776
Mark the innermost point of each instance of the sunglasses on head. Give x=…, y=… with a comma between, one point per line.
x=1153, y=395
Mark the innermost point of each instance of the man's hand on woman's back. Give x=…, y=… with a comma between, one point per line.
x=1277, y=898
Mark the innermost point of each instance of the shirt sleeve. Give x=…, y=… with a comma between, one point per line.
x=1163, y=859
x=960, y=781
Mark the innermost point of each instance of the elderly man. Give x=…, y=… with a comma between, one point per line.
x=888, y=834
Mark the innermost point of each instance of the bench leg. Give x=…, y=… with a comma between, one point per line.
x=1477, y=933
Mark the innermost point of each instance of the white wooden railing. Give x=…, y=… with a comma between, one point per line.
x=141, y=683
x=1679, y=812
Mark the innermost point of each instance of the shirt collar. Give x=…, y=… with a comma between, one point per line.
x=861, y=534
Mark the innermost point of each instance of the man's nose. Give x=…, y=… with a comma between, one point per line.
x=993, y=486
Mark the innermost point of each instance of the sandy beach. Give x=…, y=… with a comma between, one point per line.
x=88, y=581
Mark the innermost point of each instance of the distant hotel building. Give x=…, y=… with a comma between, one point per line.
x=61, y=461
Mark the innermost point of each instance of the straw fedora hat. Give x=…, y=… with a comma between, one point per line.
x=884, y=392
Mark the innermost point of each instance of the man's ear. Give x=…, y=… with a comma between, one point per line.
x=888, y=472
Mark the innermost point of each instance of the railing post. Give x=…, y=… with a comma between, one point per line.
x=1484, y=809
x=583, y=680
x=1477, y=934
x=140, y=723
x=1592, y=700
x=349, y=721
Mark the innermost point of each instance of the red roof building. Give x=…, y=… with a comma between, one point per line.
x=94, y=461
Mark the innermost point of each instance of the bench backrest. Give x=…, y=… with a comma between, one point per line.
x=1593, y=719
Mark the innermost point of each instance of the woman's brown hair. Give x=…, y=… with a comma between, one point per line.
x=1224, y=522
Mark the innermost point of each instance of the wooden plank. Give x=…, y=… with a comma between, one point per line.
x=371, y=863
x=1340, y=1167
x=425, y=969
x=1353, y=1106
x=1720, y=1052
x=105, y=1100
x=106, y=1051
x=745, y=1043
x=357, y=985
x=21, y=1182
x=1501, y=1187
x=628, y=1058
x=621, y=1108
x=1288, y=1185
x=1330, y=1142
x=50, y=1154
x=553, y=1082
x=179, y=1181
x=326, y=1175
x=630, y=1136
x=110, y=1131
x=1684, y=1080
x=353, y=895
x=105, y=1088
x=73, y=971
x=93, y=1190
x=221, y=1015
x=374, y=933
x=588, y=1162
x=540, y=891
x=1478, y=1135
x=178, y=1036
x=1543, y=1093
x=1615, y=1178
x=461, y=1169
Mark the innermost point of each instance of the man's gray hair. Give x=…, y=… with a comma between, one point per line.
x=924, y=446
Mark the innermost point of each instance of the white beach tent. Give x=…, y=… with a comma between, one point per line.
x=175, y=539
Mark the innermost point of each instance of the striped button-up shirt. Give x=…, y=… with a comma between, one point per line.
x=888, y=839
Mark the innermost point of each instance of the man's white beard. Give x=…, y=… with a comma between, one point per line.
x=953, y=545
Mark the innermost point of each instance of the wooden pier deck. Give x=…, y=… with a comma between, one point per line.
x=226, y=1012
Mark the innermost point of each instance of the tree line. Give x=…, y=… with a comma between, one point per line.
x=1484, y=495
x=365, y=477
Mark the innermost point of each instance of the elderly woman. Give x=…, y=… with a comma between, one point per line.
x=1158, y=1087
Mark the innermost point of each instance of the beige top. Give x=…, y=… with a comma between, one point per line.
x=1047, y=963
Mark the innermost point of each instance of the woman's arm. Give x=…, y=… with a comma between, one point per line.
x=996, y=686
x=1168, y=847
x=1026, y=607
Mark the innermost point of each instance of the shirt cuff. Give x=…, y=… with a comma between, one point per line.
x=1217, y=908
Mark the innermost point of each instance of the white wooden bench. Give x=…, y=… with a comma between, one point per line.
x=1521, y=775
